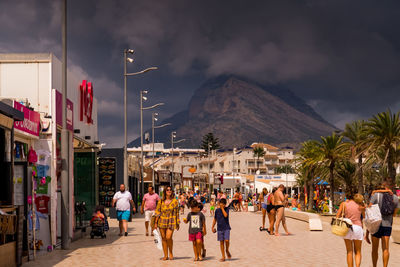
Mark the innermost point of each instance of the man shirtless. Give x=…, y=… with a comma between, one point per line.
x=279, y=200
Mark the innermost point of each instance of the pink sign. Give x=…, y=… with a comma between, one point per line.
x=31, y=122
x=70, y=112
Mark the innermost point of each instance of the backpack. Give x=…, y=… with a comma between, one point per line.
x=387, y=207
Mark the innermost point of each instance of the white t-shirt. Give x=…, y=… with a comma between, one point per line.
x=43, y=157
x=123, y=200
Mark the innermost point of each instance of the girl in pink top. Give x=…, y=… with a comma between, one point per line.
x=353, y=240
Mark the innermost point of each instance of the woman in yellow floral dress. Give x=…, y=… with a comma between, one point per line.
x=167, y=220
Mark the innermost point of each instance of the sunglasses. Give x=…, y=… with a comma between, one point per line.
x=168, y=190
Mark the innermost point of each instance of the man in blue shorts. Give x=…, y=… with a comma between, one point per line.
x=122, y=200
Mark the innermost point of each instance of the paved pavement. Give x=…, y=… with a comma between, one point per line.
x=249, y=247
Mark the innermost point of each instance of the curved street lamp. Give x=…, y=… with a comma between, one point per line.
x=173, y=136
x=144, y=98
x=130, y=60
x=153, y=120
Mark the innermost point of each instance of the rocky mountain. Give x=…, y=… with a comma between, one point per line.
x=239, y=112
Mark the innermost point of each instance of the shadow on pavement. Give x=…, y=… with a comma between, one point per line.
x=177, y=258
x=58, y=255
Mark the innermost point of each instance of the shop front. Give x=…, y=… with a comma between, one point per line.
x=12, y=214
x=35, y=79
x=163, y=180
x=86, y=149
x=176, y=181
x=32, y=177
x=200, y=182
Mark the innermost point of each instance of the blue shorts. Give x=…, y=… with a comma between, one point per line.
x=123, y=215
x=223, y=235
x=264, y=206
x=383, y=231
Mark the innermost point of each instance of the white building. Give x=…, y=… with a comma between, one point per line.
x=32, y=82
x=239, y=166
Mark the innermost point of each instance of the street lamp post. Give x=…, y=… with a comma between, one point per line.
x=208, y=154
x=173, y=136
x=153, y=120
x=130, y=60
x=286, y=179
x=65, y=184
x=142, y=97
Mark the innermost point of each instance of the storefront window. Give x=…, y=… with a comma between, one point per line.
x=5, y=167
x=20, y=151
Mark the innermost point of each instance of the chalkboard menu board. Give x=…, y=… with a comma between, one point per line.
x=107, y=174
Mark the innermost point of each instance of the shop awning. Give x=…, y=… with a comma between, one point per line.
x=271, y=157
x=208, y=161
x=167, y=163
x=322, y=182
x=9, y=111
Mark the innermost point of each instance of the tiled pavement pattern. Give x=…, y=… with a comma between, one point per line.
x=249, y=247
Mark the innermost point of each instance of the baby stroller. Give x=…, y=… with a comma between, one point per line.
x=99, y=223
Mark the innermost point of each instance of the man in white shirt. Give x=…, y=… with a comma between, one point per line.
x=122, y=200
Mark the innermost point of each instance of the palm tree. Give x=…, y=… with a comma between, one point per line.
x=331, y=152
x=309, y=167
x=287, y=168
x=346, y=170
x=383, y=132
x=258, y=152
x=356, y=134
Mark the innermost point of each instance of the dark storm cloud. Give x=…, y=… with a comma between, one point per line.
x=342, y=57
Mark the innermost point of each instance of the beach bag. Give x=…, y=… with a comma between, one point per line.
x=340, y=226
x=373, y=218
x=387, y=207
x=157, y=239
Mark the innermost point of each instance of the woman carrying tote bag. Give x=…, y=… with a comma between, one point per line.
x=353, y=210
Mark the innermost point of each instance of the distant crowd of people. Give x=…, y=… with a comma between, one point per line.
x=164, y=214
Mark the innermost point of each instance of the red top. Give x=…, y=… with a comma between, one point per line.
x=42, y=204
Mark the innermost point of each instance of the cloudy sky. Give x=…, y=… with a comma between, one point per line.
x=342, y=57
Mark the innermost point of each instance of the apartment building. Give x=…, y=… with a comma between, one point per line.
x=199, y=170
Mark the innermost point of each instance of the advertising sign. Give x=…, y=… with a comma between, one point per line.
x=107, y=180
x=163, y=176
x=86, y=92
x=176, y=178
x=70, y=112
x=31, y=122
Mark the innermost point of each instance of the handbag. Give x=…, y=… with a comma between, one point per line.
x=373, y=218
x=340, y=226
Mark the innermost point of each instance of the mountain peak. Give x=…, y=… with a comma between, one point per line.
x=240, y=111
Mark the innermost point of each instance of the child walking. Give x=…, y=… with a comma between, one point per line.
x=212, y=207
x=200, y=207
x=197, y=229
x=221, y=218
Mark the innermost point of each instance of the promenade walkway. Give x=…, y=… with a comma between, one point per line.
x=249, y=247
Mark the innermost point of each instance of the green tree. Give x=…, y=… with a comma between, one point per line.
x=356, y=134
x=287, y=168
x=383, y=132
x=346, y=170
x=308, y=167
x=209, y=142
x=331, y=151
x=258, y=152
